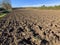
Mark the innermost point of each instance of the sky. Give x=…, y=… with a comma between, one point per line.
x=33, y=3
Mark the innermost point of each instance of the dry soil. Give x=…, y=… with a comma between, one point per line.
x=30, y=27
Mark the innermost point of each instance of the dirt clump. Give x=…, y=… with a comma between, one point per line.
x=30, y=27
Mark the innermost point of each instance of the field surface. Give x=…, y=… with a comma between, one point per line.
x=30, y=27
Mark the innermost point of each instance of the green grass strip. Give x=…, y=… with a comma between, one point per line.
x=2, y=15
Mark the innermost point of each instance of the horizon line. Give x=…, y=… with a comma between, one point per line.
x=37, y=5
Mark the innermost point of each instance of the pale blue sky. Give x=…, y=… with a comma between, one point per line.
x=26, y=3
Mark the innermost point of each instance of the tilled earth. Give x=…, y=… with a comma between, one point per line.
x=30, y=27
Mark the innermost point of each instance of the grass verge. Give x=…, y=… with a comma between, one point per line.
x=2, y=15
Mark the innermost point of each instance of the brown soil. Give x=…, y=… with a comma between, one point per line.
x=30, y=27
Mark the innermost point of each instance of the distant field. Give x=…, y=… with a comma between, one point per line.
x=42, y=7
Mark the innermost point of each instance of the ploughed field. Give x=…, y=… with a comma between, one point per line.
x=30, y=27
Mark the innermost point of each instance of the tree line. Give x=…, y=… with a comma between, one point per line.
x=49, y=7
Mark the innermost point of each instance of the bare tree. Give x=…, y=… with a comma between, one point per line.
x=0, y=3
x=6, y=4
